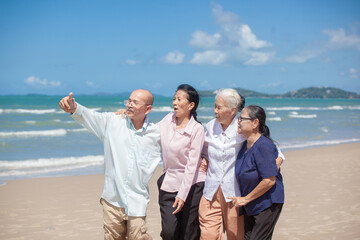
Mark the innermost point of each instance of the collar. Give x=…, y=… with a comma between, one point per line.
x=144, y=126
x=231, y=130
x=189, y=126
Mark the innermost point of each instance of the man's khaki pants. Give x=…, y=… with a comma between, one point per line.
x=118, y=226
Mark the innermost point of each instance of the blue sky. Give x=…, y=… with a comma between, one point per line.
x=54, y=47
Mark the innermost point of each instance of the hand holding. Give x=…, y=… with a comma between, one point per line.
x=238, y=201
x=121, y=112
x=204, y=164
x=179, y=203
x=68, y=104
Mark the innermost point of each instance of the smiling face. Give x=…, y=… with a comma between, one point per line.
x=182, y=106
x=137, y=105
x=246, y=125
x=224, y=115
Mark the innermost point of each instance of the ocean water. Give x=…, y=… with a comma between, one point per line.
x=38, y=139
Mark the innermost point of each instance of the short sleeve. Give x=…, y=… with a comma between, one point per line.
x=265, y=159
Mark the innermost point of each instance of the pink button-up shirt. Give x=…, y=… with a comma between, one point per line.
x=181, y=150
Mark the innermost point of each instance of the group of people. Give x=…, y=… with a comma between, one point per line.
x=226, y=179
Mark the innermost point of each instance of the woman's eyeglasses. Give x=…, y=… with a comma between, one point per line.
x=240, y=119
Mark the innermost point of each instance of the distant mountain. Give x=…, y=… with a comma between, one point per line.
x=311, y=92
x=320, y=92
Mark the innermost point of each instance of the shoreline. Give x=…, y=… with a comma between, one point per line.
x=98, y=168
x=321, y=200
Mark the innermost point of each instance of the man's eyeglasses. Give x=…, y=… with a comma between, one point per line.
x=240, y=119
x=133, y=103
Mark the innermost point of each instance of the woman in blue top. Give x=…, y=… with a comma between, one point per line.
x=260, y=181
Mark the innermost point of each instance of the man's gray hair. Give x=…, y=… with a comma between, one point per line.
x=232, y=98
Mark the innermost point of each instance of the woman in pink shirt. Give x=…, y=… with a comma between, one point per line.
x=181, y=185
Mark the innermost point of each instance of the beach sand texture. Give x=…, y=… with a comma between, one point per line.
x=321, y=189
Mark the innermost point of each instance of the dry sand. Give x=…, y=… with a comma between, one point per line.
x=322, y=201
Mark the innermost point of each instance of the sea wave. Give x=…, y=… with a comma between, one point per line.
x=30, y=122
x=42, y=133
x=293, y=108
x=205, y=109
x=275, y=119
x=162, y=109
x=47, y=165
x=77, y=130
x=297, y=115
x=37, y=111
x=206, y=117
x=317, y=143
x=28, y=111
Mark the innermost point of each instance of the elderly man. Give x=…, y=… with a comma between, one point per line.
x=131, y=154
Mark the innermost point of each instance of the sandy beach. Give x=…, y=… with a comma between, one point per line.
x=322, y=201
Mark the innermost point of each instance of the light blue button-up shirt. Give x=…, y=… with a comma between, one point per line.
x=130, y=157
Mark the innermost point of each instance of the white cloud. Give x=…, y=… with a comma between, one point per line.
x=353, y=73
x=35, y=81
x=234, y=43
x=283, y=69
x=174, y=57
x=258, y=58
x=154, y=85
x=203, y=40
x=131, y=62
x=205, y=84
x=91, y=84
x=272, y=84
x=302, y=57
x=339, y=39
x=210, y=57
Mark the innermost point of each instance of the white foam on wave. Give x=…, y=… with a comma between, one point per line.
x=275, y=119
x=42, y=133
x=162, y=109
x=27, y=111
x=302, y=115
x=354, y=107
x=205, y=109
x=293, y=108
x=317, y=143
x=69, y=122
x=46, y=165
x=324, y=129
x=206, y=117
x=335, y=108
x=271, y=113
x=77, y=130
x=30, y=122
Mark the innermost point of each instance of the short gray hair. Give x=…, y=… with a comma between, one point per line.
x=232, y=98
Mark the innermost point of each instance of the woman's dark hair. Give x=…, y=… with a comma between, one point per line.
x=193, y=96
x=257, y=112
x=242, y=103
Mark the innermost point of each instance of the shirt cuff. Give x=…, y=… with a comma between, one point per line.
x=79, y=110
